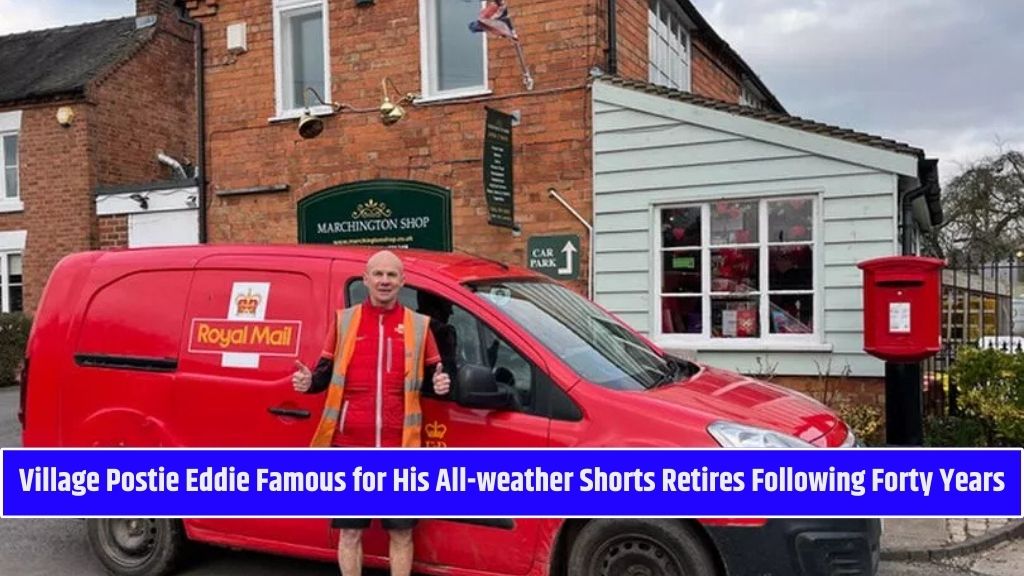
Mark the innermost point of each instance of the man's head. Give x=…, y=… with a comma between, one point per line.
x=384, y=278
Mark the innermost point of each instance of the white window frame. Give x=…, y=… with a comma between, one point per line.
x=5, y=281
x=10, y=124
x=766, y=340
x=282, y=8
x=667, y=55
x=428, y=78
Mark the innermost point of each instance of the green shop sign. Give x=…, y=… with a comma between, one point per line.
x=385, y=213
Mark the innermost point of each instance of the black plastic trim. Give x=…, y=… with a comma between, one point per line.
x=140, y=363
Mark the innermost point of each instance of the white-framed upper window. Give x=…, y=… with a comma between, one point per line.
x=749, y=97
x=739, y=270
x=301, y=55
x=10, y=186
x=453, y=59
x=10, y=282
x=668, y=46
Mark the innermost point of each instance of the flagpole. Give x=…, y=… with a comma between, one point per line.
x=527, y=78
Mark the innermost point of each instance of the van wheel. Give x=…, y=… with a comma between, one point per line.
x=136, y=546
x=639, y=547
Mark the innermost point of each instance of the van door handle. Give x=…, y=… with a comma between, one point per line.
x=289, y=412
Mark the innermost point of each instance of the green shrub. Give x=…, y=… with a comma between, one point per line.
x=991, y=391
x=955, y=432
x=14, y=328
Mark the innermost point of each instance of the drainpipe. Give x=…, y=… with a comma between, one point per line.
x=613, y=52
x=200, y=118
x=179, y=171
x=927, y=181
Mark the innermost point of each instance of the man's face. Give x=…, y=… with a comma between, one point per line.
x=384, y=278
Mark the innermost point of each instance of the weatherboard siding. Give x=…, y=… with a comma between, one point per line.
x=643, y=161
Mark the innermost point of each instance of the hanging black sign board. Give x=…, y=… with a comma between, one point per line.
x=498, y=185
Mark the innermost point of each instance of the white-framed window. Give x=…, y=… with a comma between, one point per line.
x=739, y=270
x=453, y=59
x=301, y=55
x=668, y=46
x=10, y=186
x=750, y=97
x=11, y=282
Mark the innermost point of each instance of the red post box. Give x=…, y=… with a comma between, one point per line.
x=902, y=307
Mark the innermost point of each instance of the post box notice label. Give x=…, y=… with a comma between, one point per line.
x=899, y=317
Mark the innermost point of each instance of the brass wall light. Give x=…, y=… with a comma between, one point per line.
x=310, y=126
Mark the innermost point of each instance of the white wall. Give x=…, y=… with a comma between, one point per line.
x=651, y=151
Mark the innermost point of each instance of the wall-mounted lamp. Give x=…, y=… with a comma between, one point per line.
x=311, y=126
x=65, y=115
x=142, y=200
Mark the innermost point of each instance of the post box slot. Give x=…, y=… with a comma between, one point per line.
x=899, y=280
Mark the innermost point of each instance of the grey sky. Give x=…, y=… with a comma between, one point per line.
x=943, y=75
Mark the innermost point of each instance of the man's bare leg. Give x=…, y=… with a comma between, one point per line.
x=350, y=552
x=400, y=552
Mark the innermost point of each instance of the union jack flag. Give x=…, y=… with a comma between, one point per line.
x=494, y=18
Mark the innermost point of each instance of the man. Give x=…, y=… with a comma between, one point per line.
x=372, y=367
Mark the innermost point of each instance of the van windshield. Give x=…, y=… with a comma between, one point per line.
x=584, y=336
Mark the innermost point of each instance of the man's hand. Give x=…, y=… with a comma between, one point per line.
x=442, y=383
x=302, y=379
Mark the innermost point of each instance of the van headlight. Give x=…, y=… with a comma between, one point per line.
x=851, y=439
x=733, y=435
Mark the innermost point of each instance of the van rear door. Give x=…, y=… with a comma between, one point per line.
x=248, y=318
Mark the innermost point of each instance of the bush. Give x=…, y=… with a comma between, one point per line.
x=991, y=391
x=954, y=432
x=14, y=329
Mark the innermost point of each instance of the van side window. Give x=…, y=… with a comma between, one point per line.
x=462, y=339
x=136, y=318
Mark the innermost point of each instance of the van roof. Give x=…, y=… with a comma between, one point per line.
x=456, y=266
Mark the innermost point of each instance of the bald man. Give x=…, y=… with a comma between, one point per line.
x=376, y=356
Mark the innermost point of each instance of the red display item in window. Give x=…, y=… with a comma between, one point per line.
x=746, y=323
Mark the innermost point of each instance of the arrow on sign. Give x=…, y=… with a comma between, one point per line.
x=568, y=251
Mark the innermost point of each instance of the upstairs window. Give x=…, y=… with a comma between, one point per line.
x=301, y=54
x=9, y=159
x=454, y=61
x=668, y=46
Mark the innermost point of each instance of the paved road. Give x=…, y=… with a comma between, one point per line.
x=58, y=547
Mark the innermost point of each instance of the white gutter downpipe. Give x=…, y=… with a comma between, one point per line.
x=174, y=164
x=590, y=242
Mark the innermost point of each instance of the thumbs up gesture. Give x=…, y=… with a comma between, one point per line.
x=302, y=379
x=442, y=383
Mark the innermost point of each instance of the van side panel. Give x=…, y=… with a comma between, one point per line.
x=124, y=361
x=49, y=351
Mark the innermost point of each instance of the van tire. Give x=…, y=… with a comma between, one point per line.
x=136, y=546
x=639, y=546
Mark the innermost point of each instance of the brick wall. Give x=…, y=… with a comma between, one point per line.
x=113, y=232
x=146, y=105
x=631, y=29
x=56, y=180
x=712, y=77
x=440, y=144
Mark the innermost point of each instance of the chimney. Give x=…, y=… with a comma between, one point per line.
x=146, y=10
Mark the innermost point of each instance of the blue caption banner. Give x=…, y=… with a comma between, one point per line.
x=477, y=483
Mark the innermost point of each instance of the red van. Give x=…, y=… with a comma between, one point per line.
x=138, y=348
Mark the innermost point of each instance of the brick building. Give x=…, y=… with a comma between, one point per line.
x=84, y=110
x=657, y=124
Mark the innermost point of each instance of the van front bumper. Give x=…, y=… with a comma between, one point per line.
x=805, y=547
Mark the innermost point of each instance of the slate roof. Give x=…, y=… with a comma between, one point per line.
x=60, y=62
x=767, y=116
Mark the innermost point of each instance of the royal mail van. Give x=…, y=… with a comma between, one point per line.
x=195, y=347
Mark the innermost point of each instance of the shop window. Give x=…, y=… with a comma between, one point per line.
x=668, y=46
x=301, y=54
x=454, y=61
x=738, y=269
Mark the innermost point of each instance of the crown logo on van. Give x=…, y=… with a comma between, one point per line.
x=371, y=209
x=247, y=303
x=436, y=430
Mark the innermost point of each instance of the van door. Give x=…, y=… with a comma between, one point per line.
x=504, y=546
x=247, y=320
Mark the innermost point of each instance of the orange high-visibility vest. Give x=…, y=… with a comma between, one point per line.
x=415, y=328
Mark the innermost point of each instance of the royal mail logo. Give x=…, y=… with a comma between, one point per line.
x=266, y=337
x=247, y=304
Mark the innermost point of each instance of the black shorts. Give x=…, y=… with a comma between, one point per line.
x=364, y=523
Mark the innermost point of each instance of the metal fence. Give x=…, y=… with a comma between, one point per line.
x=982, y=307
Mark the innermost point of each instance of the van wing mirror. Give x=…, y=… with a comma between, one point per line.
x=476, y=387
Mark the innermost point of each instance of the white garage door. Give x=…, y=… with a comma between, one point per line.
x=163, y=228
